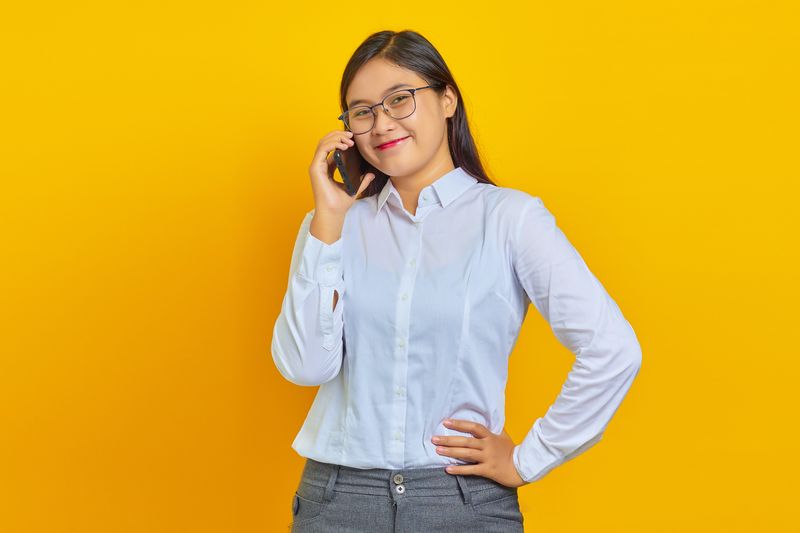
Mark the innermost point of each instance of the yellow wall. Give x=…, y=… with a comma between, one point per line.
x=154, y=172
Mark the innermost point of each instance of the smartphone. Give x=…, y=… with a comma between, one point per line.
x=351, y=167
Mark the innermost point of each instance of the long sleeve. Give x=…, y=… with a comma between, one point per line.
x=307, y=340
x=587, y=321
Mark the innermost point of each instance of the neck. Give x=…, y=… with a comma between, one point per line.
x=410, y=186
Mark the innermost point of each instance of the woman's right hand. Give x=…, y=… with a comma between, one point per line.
x=331, y=196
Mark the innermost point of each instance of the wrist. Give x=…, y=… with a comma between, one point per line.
x=326, y=227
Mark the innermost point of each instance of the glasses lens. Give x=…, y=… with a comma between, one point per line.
x=400, y=104
x=359, y=119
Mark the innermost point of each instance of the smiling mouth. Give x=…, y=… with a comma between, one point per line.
x=392, y=143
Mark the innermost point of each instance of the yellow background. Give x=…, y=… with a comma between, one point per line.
x=154, y=173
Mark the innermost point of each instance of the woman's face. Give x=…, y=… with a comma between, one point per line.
x=425, y=130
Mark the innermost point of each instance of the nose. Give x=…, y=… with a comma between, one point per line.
x=383, y=122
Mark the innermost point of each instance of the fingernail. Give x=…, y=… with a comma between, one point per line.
x=435, y=439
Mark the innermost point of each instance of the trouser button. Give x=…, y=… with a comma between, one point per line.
x=398, y=478
x=400, y=489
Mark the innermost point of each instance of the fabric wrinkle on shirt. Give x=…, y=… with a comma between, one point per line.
x=429, y=310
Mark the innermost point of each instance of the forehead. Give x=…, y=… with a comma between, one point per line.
x=375, y=78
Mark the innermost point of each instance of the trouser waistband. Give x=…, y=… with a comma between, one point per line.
x=396, y=484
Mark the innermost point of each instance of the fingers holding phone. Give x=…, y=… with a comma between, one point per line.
x=330, y=195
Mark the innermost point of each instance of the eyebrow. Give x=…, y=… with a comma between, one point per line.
x=387, y=91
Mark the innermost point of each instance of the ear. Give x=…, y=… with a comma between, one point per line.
x=449, y=102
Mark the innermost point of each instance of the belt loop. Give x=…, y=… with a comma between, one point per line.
x=331, y=482
x=462, y=484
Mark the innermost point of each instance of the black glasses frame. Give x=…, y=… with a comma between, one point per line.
x=372, y=107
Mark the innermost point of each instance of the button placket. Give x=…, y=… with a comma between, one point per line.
x=398, y=393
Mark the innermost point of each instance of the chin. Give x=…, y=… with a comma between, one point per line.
x=400, y=168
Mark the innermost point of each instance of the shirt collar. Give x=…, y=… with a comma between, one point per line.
x=448, y=187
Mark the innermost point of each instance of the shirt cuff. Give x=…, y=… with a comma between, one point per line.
x=532, y=458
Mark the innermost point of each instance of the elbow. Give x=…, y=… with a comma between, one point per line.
x=301, y=374
x=303, y=380
x=633, y=356
x=311, y=377
x=307, y=379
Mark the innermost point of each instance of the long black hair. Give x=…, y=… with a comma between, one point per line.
x=410, y=50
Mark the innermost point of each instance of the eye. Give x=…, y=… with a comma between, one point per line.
x=360, y=113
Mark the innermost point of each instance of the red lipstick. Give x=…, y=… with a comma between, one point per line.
x=392, y=143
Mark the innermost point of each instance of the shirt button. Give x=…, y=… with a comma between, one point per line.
x=400, y=489
x=401, y=343
x=329, y=268
x=412, y=262
x=399, y=391
x=398, y=478
x=404, y=296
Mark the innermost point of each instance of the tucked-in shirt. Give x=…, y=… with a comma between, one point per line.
x=429, y=310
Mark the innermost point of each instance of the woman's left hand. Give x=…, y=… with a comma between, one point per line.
x=493, y=453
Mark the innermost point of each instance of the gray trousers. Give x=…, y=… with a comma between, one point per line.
x=336, y=498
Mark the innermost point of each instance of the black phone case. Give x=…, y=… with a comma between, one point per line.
x=348, y=183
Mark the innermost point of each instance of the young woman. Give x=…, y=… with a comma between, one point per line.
x=404, y=303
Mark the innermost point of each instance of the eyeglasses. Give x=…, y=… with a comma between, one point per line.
x=399, y=104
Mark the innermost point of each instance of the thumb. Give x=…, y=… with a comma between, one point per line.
x=365, y=181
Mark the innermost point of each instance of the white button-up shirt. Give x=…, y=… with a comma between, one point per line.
x=430, y=307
